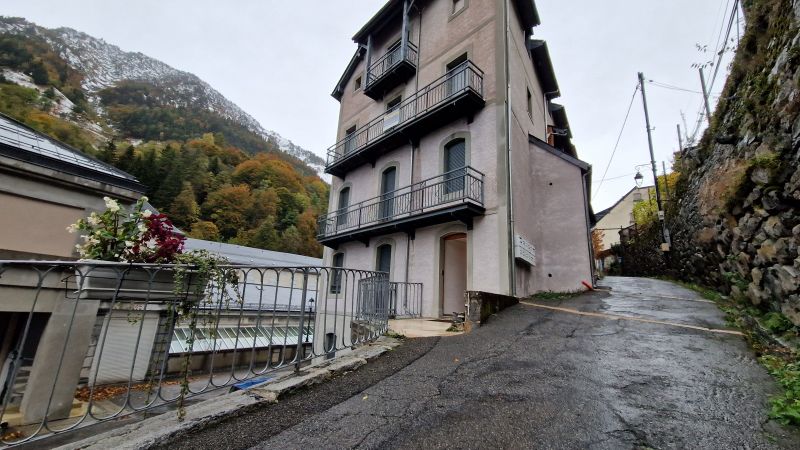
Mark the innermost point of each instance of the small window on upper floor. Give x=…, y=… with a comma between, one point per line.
x=637, y=196
x=357, y=84
x=393, y=103
x=458, y=6
x=530, y=103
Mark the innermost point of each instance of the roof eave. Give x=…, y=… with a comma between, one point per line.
x=543, y=66
x=584, y=166
x=338, y=91
x=379, y=20
x=528, y=13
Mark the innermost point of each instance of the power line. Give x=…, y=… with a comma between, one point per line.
x=720, y=53
x=674, y=88
x=619, y=136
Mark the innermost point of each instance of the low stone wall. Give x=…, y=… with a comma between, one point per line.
x=481, y=305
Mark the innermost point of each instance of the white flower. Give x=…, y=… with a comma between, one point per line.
x=72, y=228
x=142, y=227
x=111, y=204
x=143, y=199
x=93, y=220
x=147, y=213
x=128, y=243
x=151, y=243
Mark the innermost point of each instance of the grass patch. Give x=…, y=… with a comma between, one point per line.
x=551, y=295
x=394, y=335
x=785, y=408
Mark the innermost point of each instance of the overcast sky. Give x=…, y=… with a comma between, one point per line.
x=279, y=61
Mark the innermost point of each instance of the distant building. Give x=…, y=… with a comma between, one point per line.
x=453, y=166
x=614, y=219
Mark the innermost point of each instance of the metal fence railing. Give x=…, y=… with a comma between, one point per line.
x=89, y=342
x=405, y=300
x=456, y=186
x=392, y=58
x=467, y=77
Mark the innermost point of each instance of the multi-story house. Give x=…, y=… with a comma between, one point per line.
x=453, y=167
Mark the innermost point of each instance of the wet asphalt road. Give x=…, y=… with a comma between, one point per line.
x=543, y=378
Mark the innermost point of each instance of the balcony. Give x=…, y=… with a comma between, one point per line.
x=458, y=93
x=393, y=68
x=454, y=195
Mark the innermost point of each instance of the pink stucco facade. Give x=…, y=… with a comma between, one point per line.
x=547, y=189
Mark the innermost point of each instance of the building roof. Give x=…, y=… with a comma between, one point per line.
x=390, y=11
x=341, y=85
x=239, y=254
x=528, y=13
x=21, y=142
x=543, y=66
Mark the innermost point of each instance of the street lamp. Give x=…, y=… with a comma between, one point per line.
x=638, y=178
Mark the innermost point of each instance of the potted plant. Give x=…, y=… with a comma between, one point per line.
x=135, y=236
x=164, y=271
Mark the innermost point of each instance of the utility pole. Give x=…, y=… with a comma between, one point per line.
x=705, y=94
x=664, y=232
x=680, y=141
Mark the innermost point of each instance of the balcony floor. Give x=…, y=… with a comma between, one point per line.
x=463, y=212
x=397, y=74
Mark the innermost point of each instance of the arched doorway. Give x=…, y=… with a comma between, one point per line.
x=453, y=274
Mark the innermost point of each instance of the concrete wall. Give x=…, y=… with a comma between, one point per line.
x=39, y=203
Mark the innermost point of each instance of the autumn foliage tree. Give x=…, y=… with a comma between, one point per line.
x=217, y=192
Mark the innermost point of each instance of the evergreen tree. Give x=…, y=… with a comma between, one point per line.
x=109, y=153
x=39, y=74
x=126, y=160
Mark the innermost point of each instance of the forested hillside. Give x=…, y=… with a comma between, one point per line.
x=206, y=163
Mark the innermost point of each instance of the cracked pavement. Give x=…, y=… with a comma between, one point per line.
x=538, y=378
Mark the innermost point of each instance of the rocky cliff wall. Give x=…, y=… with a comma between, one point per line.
x=736, y=226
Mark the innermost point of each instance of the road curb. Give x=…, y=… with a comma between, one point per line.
x=145, y=433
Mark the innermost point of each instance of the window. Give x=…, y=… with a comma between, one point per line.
x=350, y=139
x=383, y=261
x=530, y=104
x=637, y=196
x=456, y=75
x=458, y=5
x=357, y=84
x=455, y=162
x=393, y=103
x=336, y=273
x=388, y=180
x=344, y=202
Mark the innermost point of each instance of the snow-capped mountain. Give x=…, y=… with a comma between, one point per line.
x=104, y=65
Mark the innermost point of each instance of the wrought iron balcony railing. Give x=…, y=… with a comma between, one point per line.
x=391, y=69
x=464, y=82
x=457, y=187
